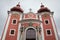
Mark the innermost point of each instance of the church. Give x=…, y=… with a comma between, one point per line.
x=30, y=26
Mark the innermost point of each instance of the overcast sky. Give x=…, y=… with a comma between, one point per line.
x=53, y=5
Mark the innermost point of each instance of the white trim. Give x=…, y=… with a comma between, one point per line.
x=21, y=16
x=15, y=12
x=12, y=21
x=47, y=20
x=42, y=31
x=50, y=32
x=12, y=34
x=19, y=34
x=27, y=29
x=31, y=21
x=54, y=28
x=45, y=13
x=4, y=34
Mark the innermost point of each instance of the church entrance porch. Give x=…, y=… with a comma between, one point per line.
x=30, y=34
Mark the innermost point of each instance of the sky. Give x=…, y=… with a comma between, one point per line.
x=6, y=5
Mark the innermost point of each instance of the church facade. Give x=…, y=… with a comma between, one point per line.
x=30, y=26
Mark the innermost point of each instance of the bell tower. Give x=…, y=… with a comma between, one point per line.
x=12, y=24
x=49, y=31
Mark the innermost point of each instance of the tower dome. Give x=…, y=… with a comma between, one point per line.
x=43, y=9
x=17, y=8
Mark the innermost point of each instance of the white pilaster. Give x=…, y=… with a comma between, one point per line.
x=42, y=31
x=19, y=33
x=5, y=31
x=54, y=28
x=18, y=36
x=21, y=16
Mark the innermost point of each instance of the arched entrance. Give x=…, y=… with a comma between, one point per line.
x=30, y=34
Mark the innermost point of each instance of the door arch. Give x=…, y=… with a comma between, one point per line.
x=30, y=34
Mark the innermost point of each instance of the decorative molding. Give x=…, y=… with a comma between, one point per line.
x=42, y=30
x=30, y=20
x=14, y=23
x=48, y=21
x=50, y=32
x=30, y=24
x=38, y=28
x=12, y=34
x=14, y=12
x=49, y=13
x=30, y=16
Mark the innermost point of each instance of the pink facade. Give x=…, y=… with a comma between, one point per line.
x=30, y=26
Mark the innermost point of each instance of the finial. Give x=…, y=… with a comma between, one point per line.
x=30, y=9
x=18, y=4
x=42, y=5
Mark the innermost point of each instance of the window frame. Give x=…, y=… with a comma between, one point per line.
x=45, y=22
x=50, y=32
x=10, y=32
x=14, y=23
